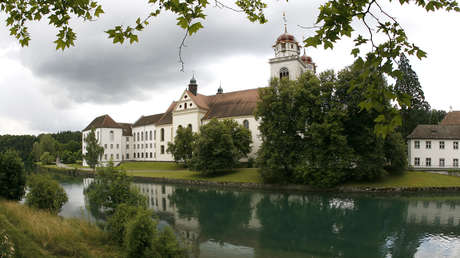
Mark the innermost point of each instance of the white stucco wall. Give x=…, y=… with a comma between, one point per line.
x=292, y=63
x=112, y=146
x=435, y=153
x=145, y=143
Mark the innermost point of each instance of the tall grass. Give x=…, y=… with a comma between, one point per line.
x=40, y=234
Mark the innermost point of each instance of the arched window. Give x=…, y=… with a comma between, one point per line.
x=150, y=135
x=162, y=134
x=190, y=126
x=246, y=124
x=137, y=136
x=142, y=136
x=284, y=73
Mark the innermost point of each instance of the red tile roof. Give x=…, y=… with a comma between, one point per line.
x=104, y=121
x=148, y=120
x=167, y=116
x=452, y=118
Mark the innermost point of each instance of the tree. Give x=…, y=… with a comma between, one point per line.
x=93, y=150
x=12, y=176
x=46, y=158
x=220, y=145
x=45, y=193
x=36, y=152
x=182, y=147
x=141, y=232
x=47, y=144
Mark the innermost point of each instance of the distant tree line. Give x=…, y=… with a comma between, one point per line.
x=44, y=147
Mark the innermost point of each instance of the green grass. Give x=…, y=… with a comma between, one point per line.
x=75, y=165
x=39, y=234
x=150, y=166
x=411, y=179
x=242, y=175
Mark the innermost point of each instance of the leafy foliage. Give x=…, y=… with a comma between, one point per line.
x=12, y=176
x=182, y=147
x=315, y=131
x=116, y=224
x=45, y=193
x=140, y=233
x=220, y=145
x=46, y=158
x=111, y=188
x=93, y=150
x=22, y=144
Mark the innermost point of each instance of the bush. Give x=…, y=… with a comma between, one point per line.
x=68, y=157
x=116, y=224
x=45, y=193
x=220, y=145
x=6, y=246
x=167, y=245
x=46, y=158
x=12, y=176
x=140, y=236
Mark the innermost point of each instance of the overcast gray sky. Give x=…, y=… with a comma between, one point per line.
x=44, y=90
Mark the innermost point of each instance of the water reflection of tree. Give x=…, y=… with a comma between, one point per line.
x=312, y=225
x=220, y=213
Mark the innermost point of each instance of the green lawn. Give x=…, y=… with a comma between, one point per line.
x=76, y=165
x=242, y=175
x=412, y=179
x=150, y=166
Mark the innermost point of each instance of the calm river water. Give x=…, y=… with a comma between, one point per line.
x=230, y=223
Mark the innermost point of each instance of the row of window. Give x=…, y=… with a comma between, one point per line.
x=147, y=135
x=442, y=145
x=442, y=162
x=111, y=146
x=141, y=146
x=111, y=156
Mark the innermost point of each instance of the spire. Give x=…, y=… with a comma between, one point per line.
x=193, y=86
x=285, y=22
x=220, y=90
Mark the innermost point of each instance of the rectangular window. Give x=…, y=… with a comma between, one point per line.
x=127, y=155
x=105, y=146
x=455, y=163
x=151, y=155
x=118, y=156
x=428, y=162
x=442, y=162
x=455, y=145
x=142, y=136
x=417, y=144
x=111, y=156
x=134, y=146
x=105, y=156
x=118, y=146
x=127, y=138
x=111, y=146
x=151, y=146
x=441, y=145
x=162, y=149
x=416, y=161
x=154, y=134
x=127, y=146
x=428, y=144
x=142, y=155
x=112, y=137
x=150, y=135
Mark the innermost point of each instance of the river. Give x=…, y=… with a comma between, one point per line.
x=229, y=223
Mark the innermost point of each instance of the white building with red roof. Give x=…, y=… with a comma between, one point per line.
x=148, y=137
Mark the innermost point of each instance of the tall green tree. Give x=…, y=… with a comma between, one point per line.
x=48, y=144
x=12, y=176
x=182, y=147
x=220, y=145
x=93, y=150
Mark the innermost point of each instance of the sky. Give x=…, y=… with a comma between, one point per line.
x=44, y=90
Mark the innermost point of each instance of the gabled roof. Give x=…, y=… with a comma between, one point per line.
x=104, y=121
x=452, y=118
x=435, y=132
x=167, y=116
x=231, y=104
x=127, y=129
x=200, y=100
x=148, y=120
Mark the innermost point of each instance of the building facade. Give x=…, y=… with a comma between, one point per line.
x=147, y=138
x=436, y=146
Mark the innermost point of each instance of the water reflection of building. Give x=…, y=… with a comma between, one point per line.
x=433, y=212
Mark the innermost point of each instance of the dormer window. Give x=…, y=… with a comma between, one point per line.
x=284, y=73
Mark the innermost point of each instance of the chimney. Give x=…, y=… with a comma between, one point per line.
x=193, y=87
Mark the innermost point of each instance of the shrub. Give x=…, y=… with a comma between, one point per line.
x=116, y=224
x=12, y=176
x=46, y=158
x=6, y=246
x=167, y=245
x=140, y=236
x=220, y=145
x=45, y=193
x=68, y=157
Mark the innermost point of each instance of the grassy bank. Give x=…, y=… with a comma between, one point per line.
x=40, y=234
x=241, y=175
x=146, y=165
x=412, y=179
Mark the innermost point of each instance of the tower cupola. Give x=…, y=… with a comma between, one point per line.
x=193, y=86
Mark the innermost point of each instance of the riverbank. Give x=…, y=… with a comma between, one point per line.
x=169, y=172
x=40, y=234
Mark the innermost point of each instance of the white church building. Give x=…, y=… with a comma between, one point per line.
x=147, y=138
